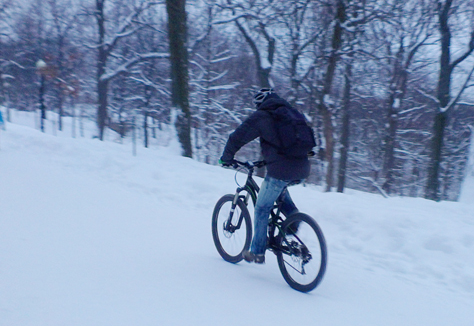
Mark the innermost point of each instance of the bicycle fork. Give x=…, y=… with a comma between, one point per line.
x=228, y=226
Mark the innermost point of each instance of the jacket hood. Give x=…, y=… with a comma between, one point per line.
x=272, y=102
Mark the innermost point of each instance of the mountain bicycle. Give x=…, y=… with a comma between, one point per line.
x=296, y=240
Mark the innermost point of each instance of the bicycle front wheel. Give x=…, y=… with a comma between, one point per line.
x=302, y=257
x=231, y=229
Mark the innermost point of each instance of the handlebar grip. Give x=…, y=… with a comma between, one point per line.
x=250, y=164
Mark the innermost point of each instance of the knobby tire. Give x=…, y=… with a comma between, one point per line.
x=230, y=245
x=309, y=236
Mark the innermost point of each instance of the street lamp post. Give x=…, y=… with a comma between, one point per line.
x=41, y=68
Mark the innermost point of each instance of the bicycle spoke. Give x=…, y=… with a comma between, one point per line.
x=300, y=272
x=231, y=231
x=302, y=255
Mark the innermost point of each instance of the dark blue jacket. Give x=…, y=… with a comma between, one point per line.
x=260, y=124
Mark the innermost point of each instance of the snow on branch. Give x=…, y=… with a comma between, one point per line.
x=235, y=18
x=199, y=39
x=223, y=58
x=219, y=76
x=422, y=107
x=374, y=183
x=127, y=65
x=224, y=87
x=124, y=29
x=5, y=63
x=455, y=99
x=135, y=98
x=414, y=131
x=147, y=82
x=226, y=111
x=465, y=103
x=466, y=54
x=431, y=97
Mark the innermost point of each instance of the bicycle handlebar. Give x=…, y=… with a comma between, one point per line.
x=250, y=164
x=256, y=164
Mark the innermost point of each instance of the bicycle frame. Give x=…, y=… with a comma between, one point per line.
x=296, y=240
x=250, y=187
x=252, y=190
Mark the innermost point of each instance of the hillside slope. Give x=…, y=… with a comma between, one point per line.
x=92, y=235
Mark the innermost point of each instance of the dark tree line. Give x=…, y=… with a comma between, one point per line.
x=386, y=84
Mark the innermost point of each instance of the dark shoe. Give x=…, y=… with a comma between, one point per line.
x=250, y=257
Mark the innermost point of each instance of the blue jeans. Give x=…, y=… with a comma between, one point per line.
x=270, y=191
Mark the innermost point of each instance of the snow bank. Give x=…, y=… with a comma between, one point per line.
x=92, y=235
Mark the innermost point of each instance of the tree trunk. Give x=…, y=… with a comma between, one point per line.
x=444, y=99
x=60, y=111
x=341, y=180
x=263, y=73
x=41, y=101
x=397, y=93
x=443, y=95
x=390, y=148
x=102, y=85
x=61, y=95
x=394, y=104
x=179, y=71
x=432, y=190
x=329, y=77
x=146, y=114
x=145, y=128
x=102, y=89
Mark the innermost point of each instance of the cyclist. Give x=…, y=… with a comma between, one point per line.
x=281, y=170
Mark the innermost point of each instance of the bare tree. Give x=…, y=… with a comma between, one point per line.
x=324, y=105
x=211, y=88
x=345, y=134
x=409, y=29
x=348, y=16
x=300, y=23
x=5, y=64
x=106, y=44
x=177, y=31
x=64, y=20
x=253, y=20
x=445, y=102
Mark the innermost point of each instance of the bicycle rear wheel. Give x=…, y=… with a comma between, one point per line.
x=302, y=257
x=231, y=231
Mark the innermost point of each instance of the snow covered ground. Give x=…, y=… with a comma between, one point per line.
x=92, y=235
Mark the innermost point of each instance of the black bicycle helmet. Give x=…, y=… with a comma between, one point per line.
x=261, y=95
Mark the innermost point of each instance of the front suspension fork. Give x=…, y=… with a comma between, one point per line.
x=228, y=226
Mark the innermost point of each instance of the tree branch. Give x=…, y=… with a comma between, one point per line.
x=465, y=55
x=454, y=100
x=124, y=67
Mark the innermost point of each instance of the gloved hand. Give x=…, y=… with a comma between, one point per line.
x=227, y=163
